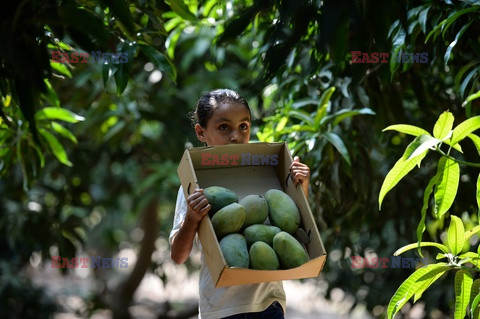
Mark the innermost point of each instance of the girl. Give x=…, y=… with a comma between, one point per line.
x=223, y=117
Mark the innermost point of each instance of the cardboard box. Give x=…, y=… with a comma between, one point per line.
x=248, y=169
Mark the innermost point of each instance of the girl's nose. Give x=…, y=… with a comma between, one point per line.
x=235, y=137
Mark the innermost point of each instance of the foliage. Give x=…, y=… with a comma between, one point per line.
x=443, y=186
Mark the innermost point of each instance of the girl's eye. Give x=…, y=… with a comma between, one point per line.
x=223, y=127
x=244, y=126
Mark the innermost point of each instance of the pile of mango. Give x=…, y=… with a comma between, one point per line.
x=246, y=239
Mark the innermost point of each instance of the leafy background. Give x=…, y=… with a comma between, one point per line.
x=88, y=152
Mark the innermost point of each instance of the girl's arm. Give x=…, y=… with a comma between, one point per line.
x=300, y=174
x=182, y=243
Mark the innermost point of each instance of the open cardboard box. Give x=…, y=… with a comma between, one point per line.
x=246, y=169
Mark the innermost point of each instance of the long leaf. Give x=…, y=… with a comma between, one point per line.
x=323, y=106
x=471, y=232
x=427, y=283
x=57, y=113
x=55, y=146
x=421, y=144
x=413, y=284
x=408, y=247
x=407, y=129
x=401, y=168
x=465, y=128
x=337, y=142
x=476, y=141
x=60, y=129
x=463, y=285
x=426, y=198
x=444, y=125
x=456, y=235
x=471, y=97
x=475, y=298
x=454, y=42
x=447, y=187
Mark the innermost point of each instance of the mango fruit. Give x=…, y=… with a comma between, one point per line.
x=290, y=252
x=228, y=220
x=282, y=211
x=263, y=257
x=258, y=232
x=234, y=249
x=256, y=209
x=219, y=197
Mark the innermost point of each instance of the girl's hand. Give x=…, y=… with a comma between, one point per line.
x=300, y=173
x=198, y=206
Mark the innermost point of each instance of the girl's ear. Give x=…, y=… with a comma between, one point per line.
x=199, y=130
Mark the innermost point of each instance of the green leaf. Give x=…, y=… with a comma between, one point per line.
x=454, y=42
x=475, y=298
x=401, y=168
x=343, y=114
x=61, y=68
x=64, y=132
x=407, y=129
x=323, y=106
x=474, y=308
x=55, y=146
x=122, y=73
x=159, y=60
x=463, y=285
x=281, y=124
x=302, y=116
x=427, y=283
x=455, y=235
x=471, y=97
x=443, y=126
x=337, y=142
x=478, y=196
x=51, y=95
x=421, y=144
x=446, y=189
x=57, y=113
x=179, y=7
x=463, y=129
x=471, y=232
x=426, y=198
x=414, y=283
x=408, y=247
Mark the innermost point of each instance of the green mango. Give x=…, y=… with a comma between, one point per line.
x=263, y=257
x=234, y=249
x=282, y=211
x=228, y=220
x=219, y=197
x=259, y=232
x=256, y=209
x=289, y=250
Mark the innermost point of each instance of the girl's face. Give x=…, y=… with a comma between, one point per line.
x=229, y=124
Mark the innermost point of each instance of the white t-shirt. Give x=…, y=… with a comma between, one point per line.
x=222, y=302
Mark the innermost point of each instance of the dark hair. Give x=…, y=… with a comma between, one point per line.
x=210, y=100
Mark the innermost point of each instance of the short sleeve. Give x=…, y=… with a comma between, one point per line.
x=180, y=213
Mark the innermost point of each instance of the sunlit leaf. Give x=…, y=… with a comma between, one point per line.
x=61, y=68
x=412, y=284
x=64, y=132
x=447, y=186
x=401, y=168
x=463, y=285
x=426, y=198
x=406, y=129
x=455, y=235
x=420, y=145
x=55, y=146
x=408, y=247
x=443, y=126
x=57, y=113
